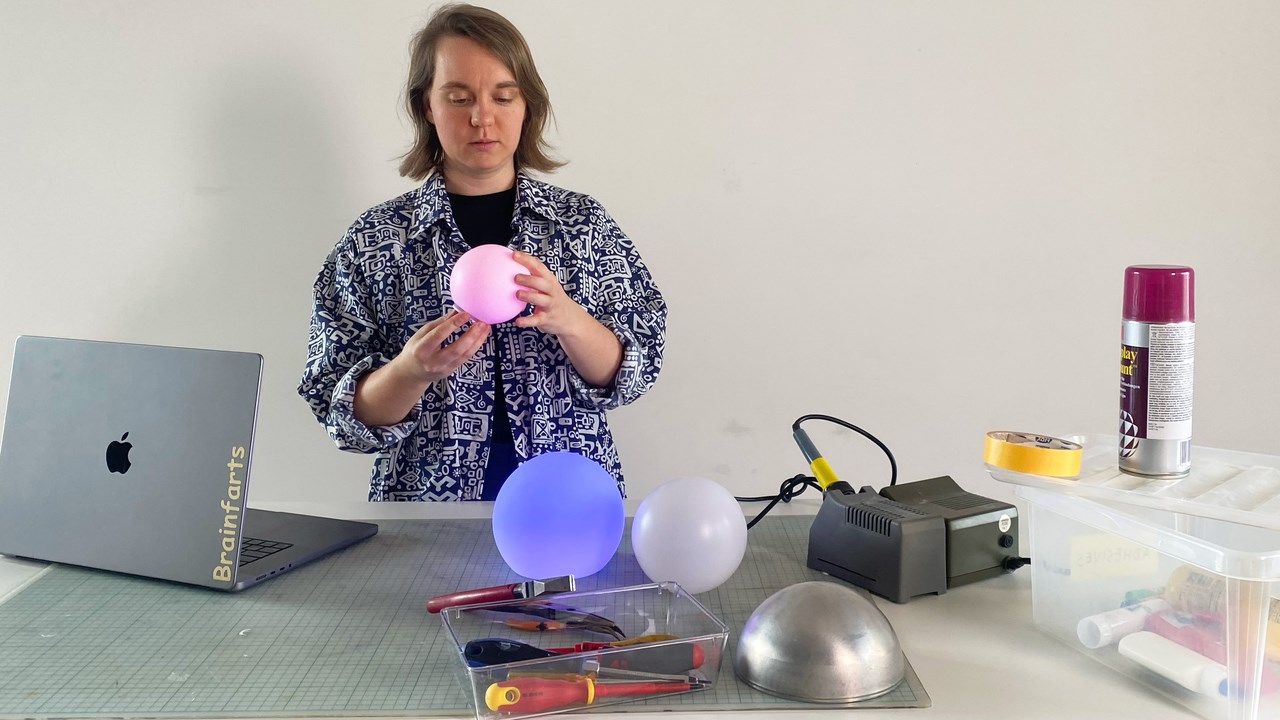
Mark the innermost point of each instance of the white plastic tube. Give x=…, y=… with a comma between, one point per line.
x=1167, y=658
x=1105, y=628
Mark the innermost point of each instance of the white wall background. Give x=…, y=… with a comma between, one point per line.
x=912, y=215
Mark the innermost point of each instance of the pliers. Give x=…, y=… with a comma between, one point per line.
x=552, y=617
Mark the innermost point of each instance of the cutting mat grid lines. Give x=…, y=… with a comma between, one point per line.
x=347, y=634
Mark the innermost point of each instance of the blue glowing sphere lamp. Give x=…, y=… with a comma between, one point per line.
x=559, y=513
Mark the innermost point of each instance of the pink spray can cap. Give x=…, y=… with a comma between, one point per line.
x=1160, y=293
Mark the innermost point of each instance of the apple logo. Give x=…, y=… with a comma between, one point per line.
x=118, y=455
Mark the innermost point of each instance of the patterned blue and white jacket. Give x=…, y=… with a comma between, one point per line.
x=389, y=275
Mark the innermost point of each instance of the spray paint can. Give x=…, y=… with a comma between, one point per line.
x=1157, y=362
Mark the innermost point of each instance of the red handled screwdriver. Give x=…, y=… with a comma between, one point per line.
x=664, y=659
x=530, y=695
x=676, y=658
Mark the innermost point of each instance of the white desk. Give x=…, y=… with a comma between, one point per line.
x=974, y=648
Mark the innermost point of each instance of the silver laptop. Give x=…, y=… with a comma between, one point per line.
x=136, y=459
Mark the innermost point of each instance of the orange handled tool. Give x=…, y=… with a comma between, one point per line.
x=531, y=694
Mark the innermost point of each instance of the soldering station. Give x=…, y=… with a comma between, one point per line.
x=907, y=539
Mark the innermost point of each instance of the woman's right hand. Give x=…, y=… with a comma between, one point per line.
x=428, y=357
x=386, y=395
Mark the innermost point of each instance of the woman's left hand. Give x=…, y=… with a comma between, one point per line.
x=553, y=310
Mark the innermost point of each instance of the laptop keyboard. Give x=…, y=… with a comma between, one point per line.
x=252, y=549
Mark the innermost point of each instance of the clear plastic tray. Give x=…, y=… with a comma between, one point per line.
x=684, y=640
x=1227, y=485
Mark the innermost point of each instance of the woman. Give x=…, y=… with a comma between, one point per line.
x=449, y=404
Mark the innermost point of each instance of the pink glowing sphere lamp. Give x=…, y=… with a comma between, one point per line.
x=483, y=283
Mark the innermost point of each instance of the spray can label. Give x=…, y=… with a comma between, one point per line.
x=1156, y=380
x=1133, y=396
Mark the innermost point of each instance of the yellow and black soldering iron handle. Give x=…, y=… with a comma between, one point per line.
x=824, y=478
x=818, y=465
x=822, y=472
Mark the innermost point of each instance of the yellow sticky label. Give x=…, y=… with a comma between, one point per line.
x=1103, y=556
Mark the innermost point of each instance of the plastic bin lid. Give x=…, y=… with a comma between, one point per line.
x=1224, y=516
x=1226, y=485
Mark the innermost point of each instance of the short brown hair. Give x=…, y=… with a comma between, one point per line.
x=501, y=38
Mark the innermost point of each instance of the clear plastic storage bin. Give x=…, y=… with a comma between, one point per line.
x=564, y=652
x=1172, y=582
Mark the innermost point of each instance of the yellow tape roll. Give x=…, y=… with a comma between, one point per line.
x=1032, y=454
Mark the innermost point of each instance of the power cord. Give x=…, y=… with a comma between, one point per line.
x=1012, y=562
x=893, y=464
x=795, y=486
x=791, y=488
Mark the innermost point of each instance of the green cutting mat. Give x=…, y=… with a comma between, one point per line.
x=345, y=635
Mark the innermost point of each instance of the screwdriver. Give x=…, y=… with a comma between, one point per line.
x=668, y=659
x=599, y=644
x=530, y=695
x=592, y=669
x=496, y=651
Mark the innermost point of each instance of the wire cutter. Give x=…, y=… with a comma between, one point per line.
x=550, y=617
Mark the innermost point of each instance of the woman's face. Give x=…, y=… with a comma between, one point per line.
x=477, y=110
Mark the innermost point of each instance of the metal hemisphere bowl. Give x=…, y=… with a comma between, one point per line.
x=819, y=642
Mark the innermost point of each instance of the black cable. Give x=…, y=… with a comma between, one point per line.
x=791, y=488
x=795, y=486
x=893, y=464
x=1014, y=562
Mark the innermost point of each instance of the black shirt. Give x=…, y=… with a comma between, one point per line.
x=486, y=220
